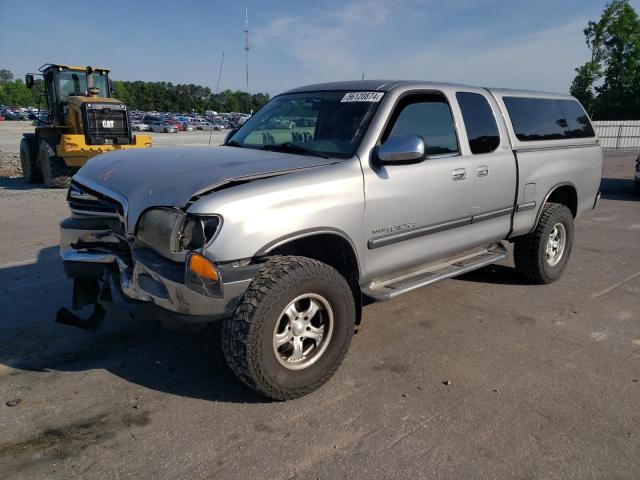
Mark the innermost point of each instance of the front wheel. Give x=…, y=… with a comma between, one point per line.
x=292, y=328
x=542, y=255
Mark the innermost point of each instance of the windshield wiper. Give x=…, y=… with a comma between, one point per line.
x=294, y=148
x=234, y=143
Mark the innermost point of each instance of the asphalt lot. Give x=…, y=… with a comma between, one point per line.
x=476, y=377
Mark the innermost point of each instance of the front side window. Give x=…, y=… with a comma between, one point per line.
x=479, y=122
x=429, y=117
x=322, y=123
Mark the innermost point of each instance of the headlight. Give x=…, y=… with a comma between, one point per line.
x=169, y=230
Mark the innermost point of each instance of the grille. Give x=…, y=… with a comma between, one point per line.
x=106, y=124
x=83, y=201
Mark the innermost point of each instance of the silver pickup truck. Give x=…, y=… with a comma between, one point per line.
x=329, y=197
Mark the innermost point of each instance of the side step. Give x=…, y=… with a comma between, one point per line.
x=382, y=290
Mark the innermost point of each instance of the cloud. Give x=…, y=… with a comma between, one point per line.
x=544, y=60
x=322, y=42
x=374, y=36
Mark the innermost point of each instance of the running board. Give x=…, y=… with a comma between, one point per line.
x=388, y=289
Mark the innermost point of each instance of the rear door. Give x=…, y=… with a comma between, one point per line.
x=493, y=165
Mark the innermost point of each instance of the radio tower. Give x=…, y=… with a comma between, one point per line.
x=246, y=40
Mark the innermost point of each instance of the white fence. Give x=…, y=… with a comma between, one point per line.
x=618, y=134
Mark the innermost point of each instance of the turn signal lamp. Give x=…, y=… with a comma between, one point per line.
x=202, y=277
x=202, y=267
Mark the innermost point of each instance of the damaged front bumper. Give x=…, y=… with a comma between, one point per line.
x=101, y=262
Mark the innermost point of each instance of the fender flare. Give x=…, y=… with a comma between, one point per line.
x=546, y=198
x=310, y=232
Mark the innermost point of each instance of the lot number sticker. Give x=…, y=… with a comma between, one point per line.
x=362, y=97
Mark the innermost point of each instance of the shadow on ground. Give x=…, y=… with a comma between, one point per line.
x=19, y=183
x=621, y=189
x=494, y=274
x=140, y=351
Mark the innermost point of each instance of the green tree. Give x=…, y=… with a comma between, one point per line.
x=15, y=93
x=5, y=75
x=610, y=81
x=138, y=95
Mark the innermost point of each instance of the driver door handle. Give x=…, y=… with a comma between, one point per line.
x=459, y=174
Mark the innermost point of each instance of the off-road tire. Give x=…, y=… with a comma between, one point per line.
x=55, y=172
x=247, y=335
x=29, y=159
x=529, y=250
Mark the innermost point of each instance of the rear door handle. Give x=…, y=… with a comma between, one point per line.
x=483, y=170
x=459, y=174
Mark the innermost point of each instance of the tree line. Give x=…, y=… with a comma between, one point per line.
x=147, y=96
x=608, y=85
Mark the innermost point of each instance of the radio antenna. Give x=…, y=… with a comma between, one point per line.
x=246, y=40
x=220, y=74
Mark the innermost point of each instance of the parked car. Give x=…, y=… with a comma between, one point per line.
x=203, y=125
x=283, y=237
x=9, y=115
x=139, y=127
x=637, y=176
x=163, y=127
x=149, y=119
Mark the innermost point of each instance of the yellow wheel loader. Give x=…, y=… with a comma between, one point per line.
x=83, y=121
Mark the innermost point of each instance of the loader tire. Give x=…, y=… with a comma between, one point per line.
x=29, y=160
x=55, y=172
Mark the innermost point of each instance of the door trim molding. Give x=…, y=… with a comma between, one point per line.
x=416, y=232
x=421, y=231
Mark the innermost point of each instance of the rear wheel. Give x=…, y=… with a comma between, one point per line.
x=542, y=255
x=55, y=172
x=292, y=328
x=28, y=159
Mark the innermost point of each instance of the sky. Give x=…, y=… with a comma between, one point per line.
x=532, y=44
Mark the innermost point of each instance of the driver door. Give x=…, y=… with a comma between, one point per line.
x=419, y=212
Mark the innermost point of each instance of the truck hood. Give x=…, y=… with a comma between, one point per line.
x=172, y=176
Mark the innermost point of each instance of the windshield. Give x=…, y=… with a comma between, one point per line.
x=74, y=82
x=323, y=123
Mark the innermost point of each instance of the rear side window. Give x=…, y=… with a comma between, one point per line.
x=428, y=116
x=536, y=119
x=578, y=124
x=479, y=121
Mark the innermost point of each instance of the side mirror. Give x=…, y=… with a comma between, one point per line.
x=229, y=134
x=402, y=148
x=28, y=79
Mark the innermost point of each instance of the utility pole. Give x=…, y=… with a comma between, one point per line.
x=246, y=40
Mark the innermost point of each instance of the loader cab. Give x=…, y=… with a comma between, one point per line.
x=62, y=82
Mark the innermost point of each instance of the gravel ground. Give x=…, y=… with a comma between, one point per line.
x=10, y=165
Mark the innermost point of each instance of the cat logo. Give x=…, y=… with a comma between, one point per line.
x=107, y=123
